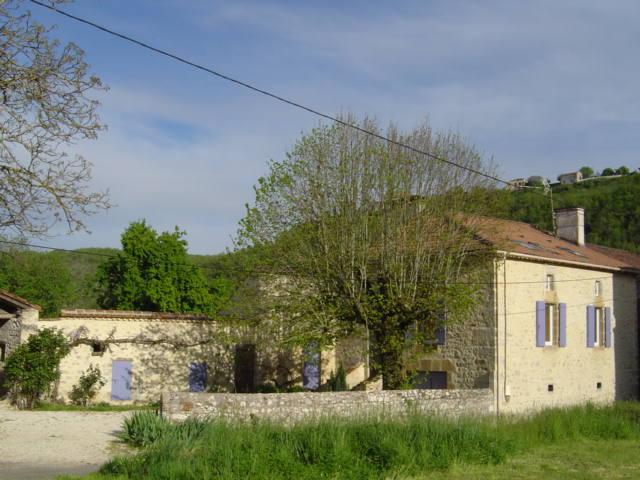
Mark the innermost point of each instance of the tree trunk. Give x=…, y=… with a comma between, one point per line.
x=389, y=342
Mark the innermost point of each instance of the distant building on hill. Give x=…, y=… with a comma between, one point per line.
x=569, y=178
x=517, y=184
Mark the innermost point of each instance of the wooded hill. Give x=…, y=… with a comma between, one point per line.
x=612, y=208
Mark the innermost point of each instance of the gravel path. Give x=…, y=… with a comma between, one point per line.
x=41, y=445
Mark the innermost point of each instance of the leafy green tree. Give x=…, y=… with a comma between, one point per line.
x=607, y=172
x=153, y=272
x=33, y=367
x=369, y=235
x=623, y=171
x=42, y=278
x=587, y=172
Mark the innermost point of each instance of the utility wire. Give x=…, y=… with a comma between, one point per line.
x=245, y=270
x=265, y=92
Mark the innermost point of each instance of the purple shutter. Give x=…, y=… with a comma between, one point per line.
x=607, y=327
x=591, y=326
x=121, y=380
x=540, y=324
x=562, y=334
x=197, y=376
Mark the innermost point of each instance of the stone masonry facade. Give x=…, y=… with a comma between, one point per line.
x=291, y=408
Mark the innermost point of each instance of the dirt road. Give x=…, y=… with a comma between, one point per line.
x=41, y=445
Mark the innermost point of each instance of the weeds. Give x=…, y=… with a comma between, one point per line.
x=363, y=449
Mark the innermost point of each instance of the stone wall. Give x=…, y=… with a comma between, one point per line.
x=10, y=333
x=294, y=407
x=468, y=353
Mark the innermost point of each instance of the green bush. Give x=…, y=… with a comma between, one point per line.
x=88, y=385
x=338, y=381
x=33, y=367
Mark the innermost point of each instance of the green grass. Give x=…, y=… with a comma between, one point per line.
x=578, y=460
x=98, y=407
x=418, y=448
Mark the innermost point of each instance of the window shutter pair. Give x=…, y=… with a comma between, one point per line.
x=541, y=324
x=591, y=326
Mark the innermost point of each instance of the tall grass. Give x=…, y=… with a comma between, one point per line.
x=355, y=449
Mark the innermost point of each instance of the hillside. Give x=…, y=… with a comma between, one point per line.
x=612, y=209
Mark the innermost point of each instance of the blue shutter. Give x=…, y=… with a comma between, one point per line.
x=441, y=335
x=540, y=324
x=197, y=377
x=607, y=327
x=591, y=326
x=562, y=334
x=121, y=379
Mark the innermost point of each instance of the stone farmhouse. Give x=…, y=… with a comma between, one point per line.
x=559, y=325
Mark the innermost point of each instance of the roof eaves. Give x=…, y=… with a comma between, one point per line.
x=558, y=261
x=18, y=301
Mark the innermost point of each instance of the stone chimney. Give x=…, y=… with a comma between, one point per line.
x=570, y=224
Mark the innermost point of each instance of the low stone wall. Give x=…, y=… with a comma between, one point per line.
x=293, y=407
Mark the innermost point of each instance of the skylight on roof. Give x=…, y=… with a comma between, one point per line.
x=529, y=245
x=567, y=249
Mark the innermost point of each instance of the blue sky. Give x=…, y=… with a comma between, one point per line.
x=541, y=87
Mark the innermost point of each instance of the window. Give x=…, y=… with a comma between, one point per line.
x=551, y=324
x=432, y=380
x=598, y=288
x=3, y=348
x=549, y=285
x=97, y=349
x=599, y=328
x=551, y=321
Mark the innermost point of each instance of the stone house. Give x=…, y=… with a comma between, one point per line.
x=17, y=318
x=558, y=325
x=569, y=178
x=141, y=354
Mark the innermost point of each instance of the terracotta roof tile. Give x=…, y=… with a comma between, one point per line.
x=92, y=313
x=19, y=301
x=523, y=238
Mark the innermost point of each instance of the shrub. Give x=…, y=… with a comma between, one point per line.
x=338, y=381
x=88, y=385
x=33, y=367
x=143, y=429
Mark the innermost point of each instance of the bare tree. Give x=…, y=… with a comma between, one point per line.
x=373, y=234
x=44, y=108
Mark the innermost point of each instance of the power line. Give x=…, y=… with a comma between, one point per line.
x=264, y=92
x=246, y=270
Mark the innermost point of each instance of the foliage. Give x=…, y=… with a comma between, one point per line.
x=364, y=449
x=612, y=212
x=338, y=381
x=32, y=368
x=153, y=272
x=368, y=234
x=87, y=388
x=623, y=171
x=587, y=172
x=43, y=279
x=145, y=428
x=607, y=172
x=45, y=106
